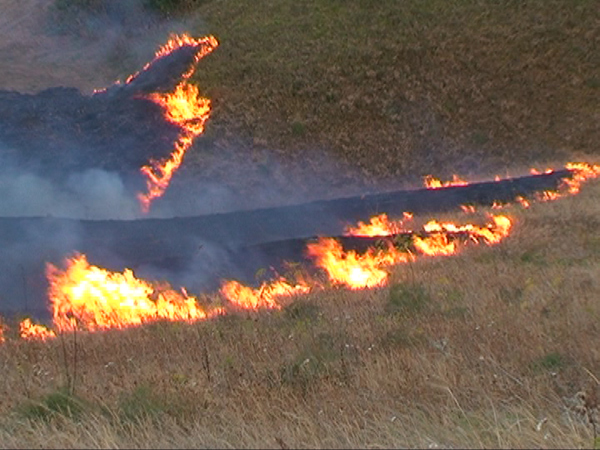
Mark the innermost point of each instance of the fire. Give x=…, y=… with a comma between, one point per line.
x=434, y=183
x=1, y=333
x=581, y=173
x=183, y=107
x=205, y=45
x=94, y=298
x=264, y=297
x=30, y=331
x=187, y=109
x=351, y=269
x=366, y=270
x=378, y=226
x=523, y=201
x=438, y=242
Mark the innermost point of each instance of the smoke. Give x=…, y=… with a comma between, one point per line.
x=86, y=45
x=90, y=194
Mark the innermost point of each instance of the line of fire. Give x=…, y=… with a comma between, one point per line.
x=92, y=284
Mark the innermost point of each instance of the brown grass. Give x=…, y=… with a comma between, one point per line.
x=489, y=348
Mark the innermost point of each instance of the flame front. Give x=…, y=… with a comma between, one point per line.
x=351, y=269
x=581, y=173
x=187, y=109
x=439, y=243
x=366, y=270
x=183, y=107
x=93, y=298
x=30, y=331
x=434, y=183
x=264, y=297
x=379, y=225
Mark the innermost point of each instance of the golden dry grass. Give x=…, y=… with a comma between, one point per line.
x=488, y=348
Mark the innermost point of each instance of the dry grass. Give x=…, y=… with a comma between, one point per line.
x=489, y=348
x=401, y=89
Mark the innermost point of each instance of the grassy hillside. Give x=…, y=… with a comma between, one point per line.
x=493, y=347
x=410, y=87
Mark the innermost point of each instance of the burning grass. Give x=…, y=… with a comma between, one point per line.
x=491, y=347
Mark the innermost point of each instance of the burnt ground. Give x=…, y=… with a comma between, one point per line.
x=59, y=130
x=407, y=90
x=199, y=252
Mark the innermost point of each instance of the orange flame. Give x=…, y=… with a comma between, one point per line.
x=1, y=334
x=360, y=271
x=434, y=183
x=95, y=298
x=351, y=269
x=183, y=107
x=378, y=226
x=204, y=46
x=440, y=244
x=264, y=297
x=30, y=331
x=581, y=173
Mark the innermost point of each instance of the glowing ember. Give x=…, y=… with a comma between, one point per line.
x=263, y=297
x=434, y=183
x=1, y=334
x=523, y=201
x=94, y=298
x=351, y=269
x=183, y=107
x=30, y=331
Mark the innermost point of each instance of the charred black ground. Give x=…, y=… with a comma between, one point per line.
x=199, y=252
x=60, y=131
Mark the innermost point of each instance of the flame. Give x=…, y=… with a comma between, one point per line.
x=360, y=271
x=434, y=183
x=264, y=297
x=523, y=201
x=205, y=45
x=581, y=173
x=1, y=334
x=439, y=243
x=95, y=298
x=187, y=109
x=183, y=107
x=351, y=269
x=30, y=331
x=378, y=226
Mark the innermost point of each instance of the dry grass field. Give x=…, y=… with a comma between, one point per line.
x=492, y=347
x=496, y=346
